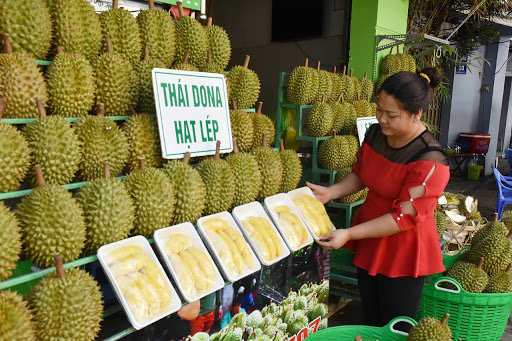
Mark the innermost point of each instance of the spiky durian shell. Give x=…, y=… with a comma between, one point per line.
x=190, y=191
x=16, y=318
x=219, y=182
x=21, y=84
x=185, y=67
x=391, y=64
x=108, y=211
x=363, y=108
x=247, y=175
x=381, y=81
x=469, y=276
x=146, y=98
x=245, y=86
x=499, y=283
x=10, y=242
x=337, y=86
x=350, y=124
x=339, y=115
x=51, y=221
x=430, y=328
x=357, y=86
x=302, y=86
x=68, y=308
x=324, y=85
x=242, y=127
x=120, y=26
x=191, y=37
x=366, y=85
x=28, y=25
x=271, y=169
x=334, y=153
x=440, y=219
x=153, y=197
x=14, y=157
x=158, y=33
x=408, y=62
x=55, y=147
x=144, y=141
x=263, y=125
x=320, y=120
x=71, y=85
x=347, y=88
x=212, y=68
x=292, y=170
x=101, y=142
x=91, y=29
x=219, y=44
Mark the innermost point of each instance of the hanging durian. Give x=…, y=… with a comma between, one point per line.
x=16, y=318
x=153, y=197
x=302, y=86
x=347, y=86
x=292, y=168
x=55, y=146
x=334, y=153
x=211, y=67
x=408, y=62
x=245, y=85
x=350, y=199
x=143, y=69
x=363, y=107
x=219, y=44
x=10, y=242
x=242, y=127
x=381, y=81
x=29, y=26
x=350, y=114
x=262, y=125
x=337, y=85
x=190, y=37
x=355, y=83
x=339, y=113
x=14, y=155
x=320, y=119
x=219, y=181
x=184, y=65
x=189, y=188
x=66, y=305
x=366, y=85
x=324, y=84
x=21, y=83
x=391, y=63
x=51, y=221
x=108, y=211
x=271, y=169
x=71, y=85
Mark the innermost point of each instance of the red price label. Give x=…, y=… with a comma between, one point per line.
x=304, y=332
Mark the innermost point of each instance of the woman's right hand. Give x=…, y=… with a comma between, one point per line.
x=322, y=193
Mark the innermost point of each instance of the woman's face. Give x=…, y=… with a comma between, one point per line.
x=394, y=121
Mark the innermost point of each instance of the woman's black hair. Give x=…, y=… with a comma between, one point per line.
x=412, y=90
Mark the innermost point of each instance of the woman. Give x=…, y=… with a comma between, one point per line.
x=394, y=234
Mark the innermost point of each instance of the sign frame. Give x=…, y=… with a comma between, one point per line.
x=363, y=123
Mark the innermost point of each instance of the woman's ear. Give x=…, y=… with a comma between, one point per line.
x=417, y=116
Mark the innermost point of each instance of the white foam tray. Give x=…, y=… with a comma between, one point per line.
x=282, y=199
x=298, y=192
x=162, y=236
x=231, y=222
x=141, y=241
x=254, y=209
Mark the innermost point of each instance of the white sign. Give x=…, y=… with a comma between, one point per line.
x=363, y=123
x=192, y=112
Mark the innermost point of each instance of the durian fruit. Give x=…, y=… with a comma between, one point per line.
x=189, y=189
x=66, y=305
x=242, y=127
x=324, y=84
x=116, y=83
x=219, y=181
x=471, y=277
x=337, y=86
x=408, y=62
x=211, y=67
x=16, y=318
x=355, y=83
x=350, y=114
x=506, y=218
x=219, y=44
x=54, y=146
x=190, y=37
x=350, y=199
x=440, y=219
x=248, y=180
x=143, y=70
x=491, y=228
x=430, y=328
x=108, y=211
x=101, y=142
x=144, y=140
x=500, y=282
x=14, y=155
x=245, y=85
x=381, y=81
x=29, y=26
x=76, y=27
x=120, y=26
x=71, y=85
x=339, y=114
x=366, y=86
x=262, y=125
x=153, y=197
x=158, y=33
x=392, y=63
x=495, y=249
x=363, y=107
x=292, y=168
x=302, y=86
x=337, y=152
x=185, y=66
x=21, y=83
x=347, y=87
x=271, y=169
x=51, y=221
x=320, y=119
x=10, y=242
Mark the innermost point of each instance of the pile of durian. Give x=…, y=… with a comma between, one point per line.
x=456, y=210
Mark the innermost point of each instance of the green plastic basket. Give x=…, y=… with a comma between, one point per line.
x=473, y=317
x=349, y=333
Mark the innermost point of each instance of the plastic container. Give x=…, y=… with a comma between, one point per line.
x=474, y=143
x=282, y=199
x=232, y=277
x=254, y=209
x=474, y=172
x=349, y=333
x=162, y=236
x=106, y=261
x=297, y=193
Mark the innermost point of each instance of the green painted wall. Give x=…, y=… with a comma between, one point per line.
x=369, y=18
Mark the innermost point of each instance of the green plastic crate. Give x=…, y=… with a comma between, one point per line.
x=349, y=333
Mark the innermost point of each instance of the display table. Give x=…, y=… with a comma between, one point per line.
x=460, y=160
